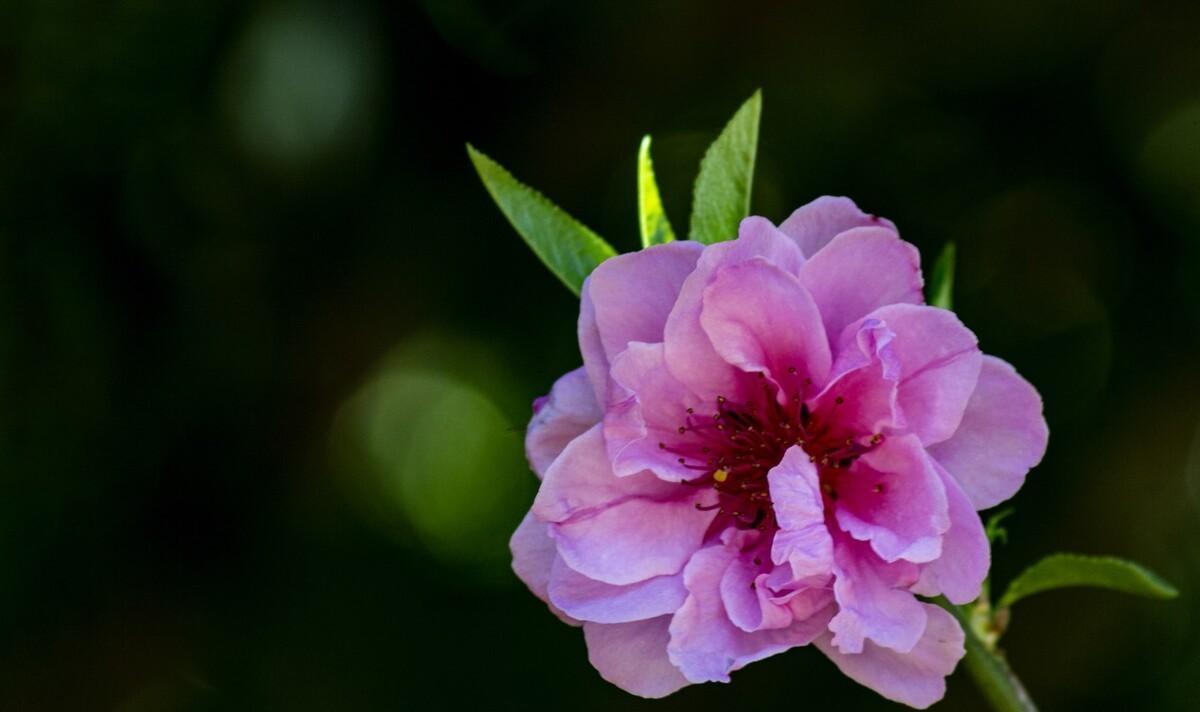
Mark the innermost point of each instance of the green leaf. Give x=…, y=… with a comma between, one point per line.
x=656, y=229
x=565, y=245
x=1063, y=570
x=721, y=197
x=994, y=530
x=941, y=284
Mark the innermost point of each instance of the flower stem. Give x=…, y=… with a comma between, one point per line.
x=987, y=665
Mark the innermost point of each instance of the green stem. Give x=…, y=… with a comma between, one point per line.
x=988, y=667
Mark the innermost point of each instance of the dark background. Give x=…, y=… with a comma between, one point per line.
x=267, y=348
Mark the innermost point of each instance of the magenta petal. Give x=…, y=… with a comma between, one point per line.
x=559, y=418
x=873, y=600
x=812, y=226
x=1002, y=435
x=893, y=497
x=859, y=271
x=939, y=363
x=690, y=355
x=580, y=597
x=760, y=319
x=803, y=539
x=916, y=678
x=534, y=554
x=959, y=572
x=627, y=298
x=863, y=395
x=633, y=656
x=705, y=645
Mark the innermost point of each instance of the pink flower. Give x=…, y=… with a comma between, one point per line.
x=772, y=442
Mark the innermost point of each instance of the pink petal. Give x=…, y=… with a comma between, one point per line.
x=916, y=678
x=861, y=270
x=633, y=656
x=939, y=363
x=812, y=226
x=959, y=572
x=803, y=539
x=647, y=407
x=559, y=418
x=893, y=498
x=862, y=397
x=760, y=319
x=1002, y=435
x=750, y=607
x=705, y=645
x=533, y=554
x=689, y=354
x=627, y=298
x=873, y=600
x=580, y=597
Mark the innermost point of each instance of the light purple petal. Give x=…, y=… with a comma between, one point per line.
x=893, y=498
x=633, y=656
x=861, y=270
x=959, y=572
x=760, y=319
x=916, y=678
x=750, y=606
x=627, y=298
x=580, y=597
x=689, y=353
x=803, y=540
x=559, y=418
x=939, y=363
x=533, y=554
x=873, y=600
x=862, y=398
x=1002, y=435
x=705, y=645
x=812, y=226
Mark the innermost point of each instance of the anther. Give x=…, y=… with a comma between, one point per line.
x=721, y=475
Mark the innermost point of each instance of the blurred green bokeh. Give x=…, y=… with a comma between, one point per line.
x=269, y=347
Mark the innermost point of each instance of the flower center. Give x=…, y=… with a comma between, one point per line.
x=734, y=448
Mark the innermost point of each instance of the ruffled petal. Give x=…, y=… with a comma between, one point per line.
x=559, y=417
x=1001, y=437
x=627, y=298
x=580, y=597
x=861, y=270
x=959, y=572
x=812, y=226
x=862, y=398
x=873, y=600
x=748, y=600
x=533, y=554
x=893, y=498
x=939, y=363
x=705, y=645
x=760, y=319
x=803, y=539
x=916, y=678
x=690, y=355
x=633, y=656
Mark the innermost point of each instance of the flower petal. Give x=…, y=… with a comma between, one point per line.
x=533, y=554
x=803, y=540
x=585, y=599
x=873, y=600
x=959, y=572
x=812, y=226
x=939, y=363
x=862, y=397
x=1002, y=435
x=916, y=678
x=861, y=270
x=558, y=418
x=760, y=319
x=747, y=599
x=633, y=656
x=690, y=355
x=627, y=298
x=893, y=498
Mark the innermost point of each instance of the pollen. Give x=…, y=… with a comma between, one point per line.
x=721, y=475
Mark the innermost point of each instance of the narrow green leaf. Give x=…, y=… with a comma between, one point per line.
x=994, y=529
x=1063, y=570
x=565, y=245
x=721, y=197
x=941, y=284
x=652, y=220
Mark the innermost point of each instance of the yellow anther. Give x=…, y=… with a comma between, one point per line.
x=721, y=475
